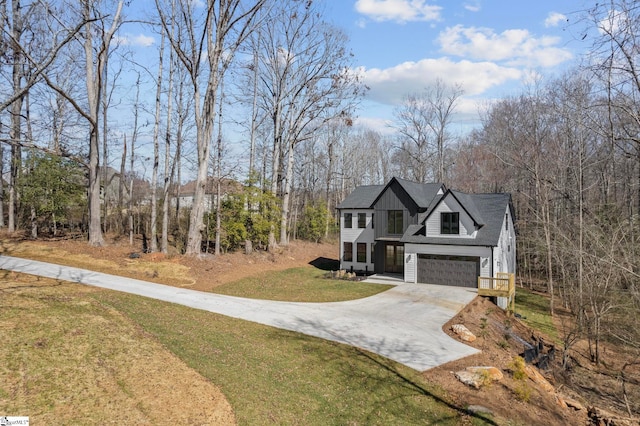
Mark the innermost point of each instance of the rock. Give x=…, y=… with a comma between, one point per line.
x=538, y=378
x=469, y=378
x=493, y=373
x=463, y=332
x=476, y=377
x=560, y=401
x=479, y=409
x=572, y=403
x=602, y=417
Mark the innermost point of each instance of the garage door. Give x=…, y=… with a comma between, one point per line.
x=460, y=271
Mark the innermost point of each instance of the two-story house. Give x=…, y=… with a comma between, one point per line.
x=427, y=233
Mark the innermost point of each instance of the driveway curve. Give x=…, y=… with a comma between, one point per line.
x=403, y=323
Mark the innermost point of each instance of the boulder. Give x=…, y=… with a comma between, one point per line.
x=534, y=374
x=478, y=376
x=463, y=332
x=602, y=417
x=572, y=403
x=479, y=409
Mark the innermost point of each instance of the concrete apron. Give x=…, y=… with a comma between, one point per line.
x=403, y=323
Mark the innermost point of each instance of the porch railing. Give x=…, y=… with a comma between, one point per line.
x=502, y=285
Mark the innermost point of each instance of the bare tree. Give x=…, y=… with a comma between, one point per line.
x=306, y=82
x=423, y=122
x=205, y=42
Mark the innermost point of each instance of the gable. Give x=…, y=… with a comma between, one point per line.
x=450, y=204
x=394, y=197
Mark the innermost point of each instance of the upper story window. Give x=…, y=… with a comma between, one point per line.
x=394, y=222
x=450, y=223
x=348, y=222
x=506, y=222
x=362, y=220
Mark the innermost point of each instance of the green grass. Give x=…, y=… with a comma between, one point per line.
x=304, y=284
x=536, y=312
x=273, y=376
x=68, y=359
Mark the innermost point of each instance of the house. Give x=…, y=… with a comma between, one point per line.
x=426, y=233
x=183, y=195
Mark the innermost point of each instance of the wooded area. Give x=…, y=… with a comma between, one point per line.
x=278, y=77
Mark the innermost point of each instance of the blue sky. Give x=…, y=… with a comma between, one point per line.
x=493, y=48
x=490, y=47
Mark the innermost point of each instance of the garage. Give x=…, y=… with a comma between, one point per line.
x=459, y=271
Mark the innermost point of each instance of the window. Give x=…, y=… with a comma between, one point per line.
x=362, y=220
x=348, y=252
x=450, y=223
x=506, y=222
x=347, y=220
x=372, y=255
x=394, y=222
x=372, y=222
x=361, y=249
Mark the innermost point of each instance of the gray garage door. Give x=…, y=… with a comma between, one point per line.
x=460, y=271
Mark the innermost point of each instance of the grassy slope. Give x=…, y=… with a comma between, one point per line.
x=536, y=312
x=274, y=376
x=66, y=358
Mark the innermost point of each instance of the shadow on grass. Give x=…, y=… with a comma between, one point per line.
x=381, y=383
x=325, y=264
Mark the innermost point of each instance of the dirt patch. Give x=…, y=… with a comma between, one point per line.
x=501, y=338
x=198, y=272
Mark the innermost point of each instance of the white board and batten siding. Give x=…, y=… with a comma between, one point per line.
x=449, y=205
x=357, y=235
x=411, y=252
x=504, y=254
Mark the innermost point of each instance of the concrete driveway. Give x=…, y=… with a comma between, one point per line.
x=403, y=323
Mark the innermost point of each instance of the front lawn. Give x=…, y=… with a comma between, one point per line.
x=304, y=284
x=273, y=376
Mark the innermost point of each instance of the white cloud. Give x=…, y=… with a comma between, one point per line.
x=381, y=125
x=139, y=40
x=398, y=10
x=514, y=47
x=143, y=40
x=390, y=85
x=473, y=6
x=554, y=19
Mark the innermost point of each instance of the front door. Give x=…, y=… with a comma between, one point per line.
x=394, y=258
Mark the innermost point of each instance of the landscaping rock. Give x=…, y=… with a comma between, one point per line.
x=494, y=373
x=479, y=409
x=463, y=332
x=572, y=403
x=476, y=377
x=534, y=374
x=602, y=417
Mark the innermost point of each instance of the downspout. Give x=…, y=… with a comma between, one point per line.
x=491, y=273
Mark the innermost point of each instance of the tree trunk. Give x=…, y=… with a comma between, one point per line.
x=284, y=220
x=168, y=172
x=219, y=173
x=156, y=153
x=94, y=94
x=134, y=137
x=15, y=133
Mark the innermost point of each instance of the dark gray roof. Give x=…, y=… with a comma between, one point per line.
x=468, y=203
x=491, y=207
x=424, y=194
x=361, y=198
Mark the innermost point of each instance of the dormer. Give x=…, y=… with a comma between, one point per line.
x=454, y=216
